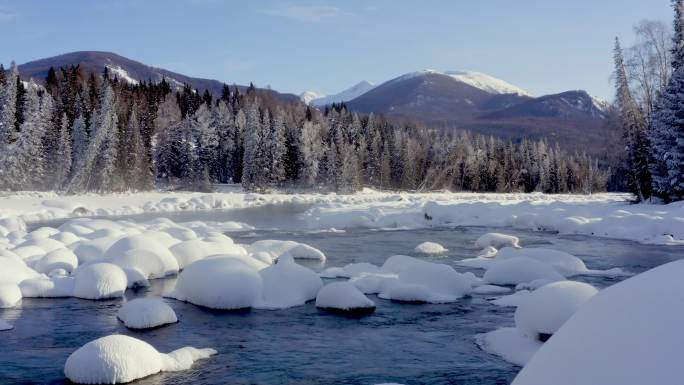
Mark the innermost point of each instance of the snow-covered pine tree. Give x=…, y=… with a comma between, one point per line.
x=138, y=172
x=634, y=127
x=79, y=141
x=8, y=105
x=61, y=164
x=274, y=148
x=95, y=170
x=25, y=160
x=253, y=142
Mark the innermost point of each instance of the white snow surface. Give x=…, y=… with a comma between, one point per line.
x=219, y=283
x=294, y=249
x=546, y=309
x=287, y=284
x=518, y=270
x=10, y=295
x=629, y=334
x=509, y=344
x=486, y=82
x=603, y=215
x=342, y=296
x=430, y=248
x=99, y=281
x=116, y=359
x=144, y=313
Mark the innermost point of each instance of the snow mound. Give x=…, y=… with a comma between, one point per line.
x=14, y=270
x=565, y=263
x=343, y=297
x=42, y=232
x=193, y=250
x=55, y=287
x=509, y=344
x=153, y=258
x=497, y=241
x=428, y=282
x=219, y=283
x=279, y=248
x=119, y=359
x=350, y=270
x=371, y=283
x=518, y=270
x=4, y=325
x=512, y=299
x=99, y=281
x=45, y=244
x=67, y=238
x=57, y=259
x=396, y=263
x=143, y=313
x=90, y=250
x=629, y=334
x=546, y=309
x=430, y=248
x=10, y=295
x=287, y=284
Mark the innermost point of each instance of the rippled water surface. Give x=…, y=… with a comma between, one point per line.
x=404, y=343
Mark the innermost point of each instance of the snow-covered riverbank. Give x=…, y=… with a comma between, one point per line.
x=606, y=215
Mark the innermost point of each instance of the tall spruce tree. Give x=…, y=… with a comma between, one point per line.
x=634, y=128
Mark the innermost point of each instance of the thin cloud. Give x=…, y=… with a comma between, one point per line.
x=309, y=13
x=6, y=16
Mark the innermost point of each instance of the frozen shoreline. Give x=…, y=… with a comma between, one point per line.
x=604, y=215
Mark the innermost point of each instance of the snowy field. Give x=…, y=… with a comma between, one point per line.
x=603, y=215
x=473, y=286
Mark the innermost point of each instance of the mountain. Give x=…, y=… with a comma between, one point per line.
x=487, y=105
x=318, y=100
x=128, y=70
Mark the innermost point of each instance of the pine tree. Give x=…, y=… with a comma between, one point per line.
x=274, y=147
x=8, y=105
x=634, y=127
x=252, y=171
x=61, y=163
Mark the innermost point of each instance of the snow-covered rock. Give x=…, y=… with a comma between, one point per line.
x=350, y=270
x=116, y=359
x=490, y=289
x=396, y=263
x=43, y=287
x=565, y=263
x=428, y=282
x=294, y=249
x=219, y=283
x=10, y=295
x=144, y=313
x=193, y=250
x=430, y=248
x=4, y=325
x=66, y=237
x=287, y=284
x=509, y=344
x=14, y=270
x=57, y=259
x=160, y=261
x=546, y=309
x=521, y=269
x=151, y=264
x=99, y=281
x=511, y=300
x=497, y=240
x=629, y=334
x=343, y=297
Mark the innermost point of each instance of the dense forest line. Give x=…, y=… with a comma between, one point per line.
x=93, y=132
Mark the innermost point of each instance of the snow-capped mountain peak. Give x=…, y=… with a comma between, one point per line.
x=121, y=73
x=316, y=99
x=486, y=82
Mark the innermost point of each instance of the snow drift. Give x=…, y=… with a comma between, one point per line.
x=119, y=359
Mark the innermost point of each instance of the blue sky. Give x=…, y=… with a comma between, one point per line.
x=543, y=46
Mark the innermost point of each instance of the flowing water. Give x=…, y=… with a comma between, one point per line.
x=403, y=343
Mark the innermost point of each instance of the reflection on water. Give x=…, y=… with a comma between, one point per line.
x=404, y=343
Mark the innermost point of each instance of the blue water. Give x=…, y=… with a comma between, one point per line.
x=404, y=343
